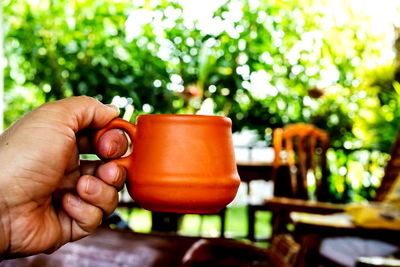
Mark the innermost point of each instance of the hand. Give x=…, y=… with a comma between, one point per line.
x=49, y=197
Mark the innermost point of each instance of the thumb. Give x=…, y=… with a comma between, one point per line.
x=83, y=112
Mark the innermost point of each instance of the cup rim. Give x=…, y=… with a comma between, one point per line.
x=185, y=117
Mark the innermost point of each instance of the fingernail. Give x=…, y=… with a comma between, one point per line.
x=114, y=108
x=74, y=200
x=92, y=187
x=112, y=148
x=121, y=132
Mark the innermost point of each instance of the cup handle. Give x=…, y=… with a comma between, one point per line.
x=124, y=125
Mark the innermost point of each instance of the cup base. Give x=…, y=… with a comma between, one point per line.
x=191, y=211
x=183, y=199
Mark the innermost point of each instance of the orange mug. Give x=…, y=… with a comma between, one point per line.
x=179, y=163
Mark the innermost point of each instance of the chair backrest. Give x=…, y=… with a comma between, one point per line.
x=302, y=148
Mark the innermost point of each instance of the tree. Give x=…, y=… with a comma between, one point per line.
x=262, y=63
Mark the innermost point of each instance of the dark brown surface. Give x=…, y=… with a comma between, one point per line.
x=124, y=248
x=113, y=248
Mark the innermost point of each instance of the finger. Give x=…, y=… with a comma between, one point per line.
x=86, y=217
x=112, y=144
x=70, y=180
x=83, y=112
x=112, y=174
x=109, y=172
x=96, y=192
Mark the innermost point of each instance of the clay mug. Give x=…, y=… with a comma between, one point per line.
x=179, y=163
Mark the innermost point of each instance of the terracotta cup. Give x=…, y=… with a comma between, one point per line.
x=180, y=163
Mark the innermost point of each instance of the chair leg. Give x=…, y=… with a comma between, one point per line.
x=309, y=244
x=251, y=214
x=200, y=230
x=130, y=215
x=222, y=216
x=279, y=223
x=165, y=222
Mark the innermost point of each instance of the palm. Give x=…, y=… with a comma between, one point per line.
x=45, y=226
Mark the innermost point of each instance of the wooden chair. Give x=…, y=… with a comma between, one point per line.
x=310, y=234
x=285, y=205
x=305, y=147
x=300, y=156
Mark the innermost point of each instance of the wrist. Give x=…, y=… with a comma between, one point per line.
x=4, y=230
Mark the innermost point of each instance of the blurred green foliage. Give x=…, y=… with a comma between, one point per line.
x=262, y=63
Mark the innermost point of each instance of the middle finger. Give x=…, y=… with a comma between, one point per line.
x=109, y=172
x=98, y=193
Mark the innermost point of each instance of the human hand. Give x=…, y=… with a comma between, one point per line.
x=48, y=196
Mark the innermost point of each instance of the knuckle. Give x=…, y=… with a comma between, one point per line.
x=85, y=98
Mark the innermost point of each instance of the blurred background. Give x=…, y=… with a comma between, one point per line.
x=264, y=64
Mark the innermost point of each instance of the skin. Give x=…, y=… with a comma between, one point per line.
x=49, y=197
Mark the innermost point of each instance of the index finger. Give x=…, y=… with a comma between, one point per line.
x=83, y=112
x=112, y=144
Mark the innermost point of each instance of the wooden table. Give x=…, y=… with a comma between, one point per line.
x=311, y=229
x=262, y=170
x=254, y=170
x=110, y=248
